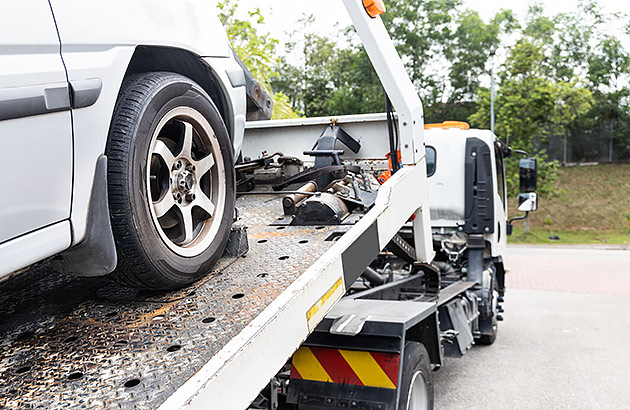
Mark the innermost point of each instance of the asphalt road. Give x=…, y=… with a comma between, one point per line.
x=565, y=340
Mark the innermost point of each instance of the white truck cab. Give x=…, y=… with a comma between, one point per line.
x=468, y=200
x=450, y=190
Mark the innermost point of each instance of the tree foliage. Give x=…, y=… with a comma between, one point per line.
x=474, y=40
x=328, y=79
x=258, y=51
x=557, y=75
x=422, y=31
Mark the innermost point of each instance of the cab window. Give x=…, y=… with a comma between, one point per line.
x=500, y=175
x=431, y=158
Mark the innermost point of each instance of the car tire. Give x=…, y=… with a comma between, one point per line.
x=171, y=181
x=417, y=380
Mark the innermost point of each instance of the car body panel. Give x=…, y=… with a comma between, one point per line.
x=35, y=122
x=236, y=97
x=96, y=41
x=185, y=24
x=33, y=247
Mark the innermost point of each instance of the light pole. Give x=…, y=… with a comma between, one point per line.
x=492, y=53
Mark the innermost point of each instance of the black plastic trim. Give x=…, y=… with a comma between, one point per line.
x=365, y=248
x=96, y=254
x=85, y=93
x=20, y=102
x=479, y=191
x=374, y=337
x=340, y=396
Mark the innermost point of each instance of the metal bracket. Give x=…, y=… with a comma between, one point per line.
x=348, y=325
x=406, y=251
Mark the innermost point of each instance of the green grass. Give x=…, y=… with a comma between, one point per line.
x=592, y=207
x=542, y=236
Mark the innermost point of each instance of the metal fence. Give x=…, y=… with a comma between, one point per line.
x=603, y=144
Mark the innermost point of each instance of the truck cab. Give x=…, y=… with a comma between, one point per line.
x=469, y=218
x=452, y=191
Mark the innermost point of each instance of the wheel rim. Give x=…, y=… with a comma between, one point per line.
x=418, y=396
x=186, y=181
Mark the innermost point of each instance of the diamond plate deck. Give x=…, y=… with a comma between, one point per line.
x=87, y=343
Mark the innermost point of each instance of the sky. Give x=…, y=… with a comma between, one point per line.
x=282, y=15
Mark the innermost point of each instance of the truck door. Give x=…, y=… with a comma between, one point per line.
x=501, y=202
x=35, y=122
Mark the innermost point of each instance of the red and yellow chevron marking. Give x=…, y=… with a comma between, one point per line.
x=346, y=367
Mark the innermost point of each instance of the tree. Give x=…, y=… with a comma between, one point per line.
x=530, y=105
x=257, y=51
x=584, y=51
x=329, y=79
x=564, y=76
x=334, y=79
x=470, y=50
x=422, y=30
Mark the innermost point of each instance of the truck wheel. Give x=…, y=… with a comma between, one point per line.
x=417, y=381
x=171, y=181
x=487, y=340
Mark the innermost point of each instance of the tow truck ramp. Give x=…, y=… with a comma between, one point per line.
x=86, y=343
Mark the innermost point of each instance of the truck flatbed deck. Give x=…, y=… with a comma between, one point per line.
x=86, y=343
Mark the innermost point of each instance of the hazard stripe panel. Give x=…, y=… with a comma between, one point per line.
x=359, y=368
x=306, y=366
x=367, y=369
x=390, y=364
x=337, y=368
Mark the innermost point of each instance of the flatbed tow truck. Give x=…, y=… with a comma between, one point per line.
x=88, y=343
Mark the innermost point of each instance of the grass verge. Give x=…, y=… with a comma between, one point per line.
x=591, y=206
x=541, y=236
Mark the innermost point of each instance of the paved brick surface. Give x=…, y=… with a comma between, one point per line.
x=576, y=270
x=563, y=343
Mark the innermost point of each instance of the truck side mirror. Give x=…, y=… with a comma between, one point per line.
x=528, y=202
x=528, y=175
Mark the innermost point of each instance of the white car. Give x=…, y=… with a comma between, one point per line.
x=119, y=125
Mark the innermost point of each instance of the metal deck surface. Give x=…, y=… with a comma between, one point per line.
x=87, y=343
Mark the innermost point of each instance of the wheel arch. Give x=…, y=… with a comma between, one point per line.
x=427, y=332
x=500, y=273
x=186, y=63
x=147, y=58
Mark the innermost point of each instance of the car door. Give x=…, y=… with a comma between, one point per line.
x=35, y=121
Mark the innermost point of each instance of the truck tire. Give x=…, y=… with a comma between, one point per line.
x=171, y=182
x=417, y=380
x=487, y=340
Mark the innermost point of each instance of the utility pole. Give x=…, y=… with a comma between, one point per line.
x=492, y=53
x=564, y=148
x=527, y=227
x=610, y=149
